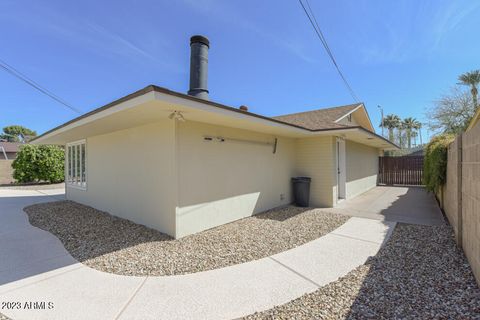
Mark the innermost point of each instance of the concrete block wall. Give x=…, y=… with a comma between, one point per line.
x=451, y=192
x=471, y=198
x=461, y=195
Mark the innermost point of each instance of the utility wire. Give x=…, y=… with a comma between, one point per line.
x=14, y=72
x=320, y=35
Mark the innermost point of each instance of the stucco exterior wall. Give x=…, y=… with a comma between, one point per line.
x=166, y=176
x=131, y=174
x=315, y=158
x=221, y=182
x=362, y=168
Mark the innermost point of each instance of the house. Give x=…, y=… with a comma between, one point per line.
x=181, y=163
x=8, y=150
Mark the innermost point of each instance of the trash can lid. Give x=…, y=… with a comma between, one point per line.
x=301, y=179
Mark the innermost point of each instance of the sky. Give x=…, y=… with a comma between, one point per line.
x=402, y=55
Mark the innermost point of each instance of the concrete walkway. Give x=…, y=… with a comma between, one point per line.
x=412, y=205
x=35, y=267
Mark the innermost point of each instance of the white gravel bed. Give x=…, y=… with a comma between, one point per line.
x=418, y=274
x=119, y=246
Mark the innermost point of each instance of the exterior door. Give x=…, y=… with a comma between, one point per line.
x=341, y=169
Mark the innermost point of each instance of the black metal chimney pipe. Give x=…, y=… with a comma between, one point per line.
x=199, y=46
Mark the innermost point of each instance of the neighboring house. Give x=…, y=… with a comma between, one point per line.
x=8, y=150
x=181, y=164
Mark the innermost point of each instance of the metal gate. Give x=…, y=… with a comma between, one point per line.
x=405, y=170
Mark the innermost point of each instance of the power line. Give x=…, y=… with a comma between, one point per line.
x=14, y=72
x=320, y=35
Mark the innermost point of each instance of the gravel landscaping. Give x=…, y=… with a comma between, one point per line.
x=418, y=274
x=119, y=246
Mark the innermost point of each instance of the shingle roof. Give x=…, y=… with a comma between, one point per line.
x=318, y=119
x=10, y=146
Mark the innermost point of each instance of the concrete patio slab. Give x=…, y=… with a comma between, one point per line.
x=225, y=293
x=328, y=259
x=362, y=229
x=82, y=293
x=412, y=205
x=26, y=246
x=36, y=271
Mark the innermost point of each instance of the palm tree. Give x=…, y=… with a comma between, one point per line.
x=390, y=122
x=418, y=128
x=400, y=128
x=409, y=125
x=414, y=138
x=471, y=79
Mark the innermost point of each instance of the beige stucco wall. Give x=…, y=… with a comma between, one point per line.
x=362, y=168
x=221, y=182
x=315, y=158
x=166, y=176
x=131, y=174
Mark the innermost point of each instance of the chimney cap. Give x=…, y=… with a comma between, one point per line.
x=201, y=39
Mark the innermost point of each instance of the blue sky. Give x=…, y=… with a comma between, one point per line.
x=264, y=54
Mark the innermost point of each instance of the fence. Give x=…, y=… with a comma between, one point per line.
x=405, y=170
x=460, y=196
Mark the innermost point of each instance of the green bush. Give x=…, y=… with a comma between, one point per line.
x=44, y=163
x=435, y=161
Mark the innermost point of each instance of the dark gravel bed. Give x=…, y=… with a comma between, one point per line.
x=418, y=274
x=119, y=246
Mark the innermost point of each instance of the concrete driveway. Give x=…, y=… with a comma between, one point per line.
x=412, y=205
x=36, y=270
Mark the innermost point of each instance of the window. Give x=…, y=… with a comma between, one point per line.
x=77, y=164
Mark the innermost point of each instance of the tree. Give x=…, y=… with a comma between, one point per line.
x=401, y=140
x=452, y=112
x=44, y=163
x=414, y=135
x=418, y=128
x=409, y=125
x=16, y=133
x=435, y=161
x=390, y=122
x=471, y=79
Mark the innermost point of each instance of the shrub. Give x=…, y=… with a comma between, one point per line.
x=44, y=163
x=435, y=161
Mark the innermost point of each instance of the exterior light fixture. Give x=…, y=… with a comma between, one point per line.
x=177, y=115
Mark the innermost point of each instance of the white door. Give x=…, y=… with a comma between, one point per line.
x=341, y=169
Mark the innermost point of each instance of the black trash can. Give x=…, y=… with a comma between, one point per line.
x=301, y=191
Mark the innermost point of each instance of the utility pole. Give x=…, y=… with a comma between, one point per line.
x=381, y=110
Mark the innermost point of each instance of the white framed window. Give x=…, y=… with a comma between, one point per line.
x=76, y=164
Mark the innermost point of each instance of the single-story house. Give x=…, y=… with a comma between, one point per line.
x=181, y=163
x=9, y=150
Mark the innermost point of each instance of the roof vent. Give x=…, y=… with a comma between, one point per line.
x=243, y=108
x=199, y=46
